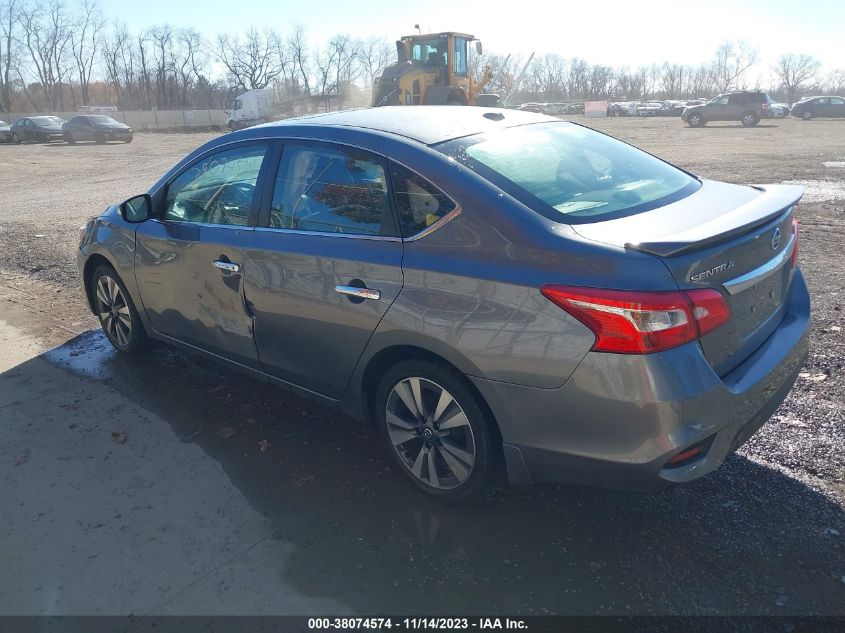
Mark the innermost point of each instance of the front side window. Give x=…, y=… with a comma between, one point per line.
x=571, y=173
x=330, y=190
x=824, y=101
x=721, y=100
x=420, y=203
x=218, y=189
x=460, y=56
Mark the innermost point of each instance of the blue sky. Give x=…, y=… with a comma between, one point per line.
x=629, y=32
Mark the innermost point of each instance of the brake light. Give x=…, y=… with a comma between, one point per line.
x=633, y=322
x=793, y=261
x=765, y=106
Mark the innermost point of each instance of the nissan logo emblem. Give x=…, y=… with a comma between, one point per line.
x=775, y=239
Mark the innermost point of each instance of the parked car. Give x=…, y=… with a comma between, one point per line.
x=780, y=110
x=648, y=108
x=5, y=132
x=488, y=288
x=671, y=107
x=96, y=127
x=747, y=106
x=37, y=129
x=819, y=106
x=532, y=107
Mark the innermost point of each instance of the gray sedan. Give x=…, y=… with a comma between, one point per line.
x=495, y=291
x=96, y=127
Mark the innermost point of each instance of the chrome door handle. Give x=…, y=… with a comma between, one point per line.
x=229, y=267
x=361, y=293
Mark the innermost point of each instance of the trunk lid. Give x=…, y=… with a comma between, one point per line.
x=733, y=238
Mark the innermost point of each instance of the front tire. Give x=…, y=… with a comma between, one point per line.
x=69, y=138
x=116, y=312
x=16, y=139
x=806, y=115
x=695, y=120
x=435, y=429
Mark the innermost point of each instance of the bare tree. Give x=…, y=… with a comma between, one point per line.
x=253, y=63
x=298, y=53
x=795, y=73
x=46, y=33
x=84, y=40
x=374, y=55
x=835, y=81
x=730, y=63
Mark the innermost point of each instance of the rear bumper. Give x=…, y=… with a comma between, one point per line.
x=619, y=419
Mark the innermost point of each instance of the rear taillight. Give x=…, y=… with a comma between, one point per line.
x=632, y=322
x=793, y=261
x=765, y=106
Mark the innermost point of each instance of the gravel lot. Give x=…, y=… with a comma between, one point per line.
x=762, y=535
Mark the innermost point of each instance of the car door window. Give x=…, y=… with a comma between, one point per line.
x=331, y=190
x=420, y=203
x=737, y=99
x=218, y=189
x=821, y=101
x=723, y=100
x=835, y=101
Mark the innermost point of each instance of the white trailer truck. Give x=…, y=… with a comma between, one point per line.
x=251, y=108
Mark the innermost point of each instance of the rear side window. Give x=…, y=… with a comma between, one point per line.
x=420, y=203
x=331, y=190
x=738, y=99
x=571, y=173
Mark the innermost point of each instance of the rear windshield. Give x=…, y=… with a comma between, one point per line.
x=571, y=173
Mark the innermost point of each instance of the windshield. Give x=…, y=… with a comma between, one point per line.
x=430, y=51
x=571, y=173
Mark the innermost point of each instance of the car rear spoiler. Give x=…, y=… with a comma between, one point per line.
x=774, y=201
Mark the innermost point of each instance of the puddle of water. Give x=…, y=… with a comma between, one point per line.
x=89, y=354
x=820, y=190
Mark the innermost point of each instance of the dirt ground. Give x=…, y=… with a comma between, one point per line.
x=764, y=534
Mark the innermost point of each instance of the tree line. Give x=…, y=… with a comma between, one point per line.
x=58, y=56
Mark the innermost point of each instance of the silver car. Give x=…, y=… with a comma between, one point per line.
x=494, y=291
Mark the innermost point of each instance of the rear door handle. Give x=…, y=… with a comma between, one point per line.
x=229, y=267
x=361, y=293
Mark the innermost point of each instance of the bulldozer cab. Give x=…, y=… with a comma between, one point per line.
x=432, y=69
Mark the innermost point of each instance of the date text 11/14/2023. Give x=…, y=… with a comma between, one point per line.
x=417, y=624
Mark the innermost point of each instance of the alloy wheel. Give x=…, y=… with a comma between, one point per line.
x=430, y=433
x=113, y=310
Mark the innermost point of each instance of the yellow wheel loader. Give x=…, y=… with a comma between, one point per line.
x=431, y=70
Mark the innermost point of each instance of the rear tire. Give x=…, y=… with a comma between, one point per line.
x=413, y=405
x=749, y=119
x=116, y=312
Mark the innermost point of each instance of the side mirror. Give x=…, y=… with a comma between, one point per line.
x=478, y=48
x=137, y=209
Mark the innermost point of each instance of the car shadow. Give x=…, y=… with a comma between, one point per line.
x=746, y=539
x=717, y=125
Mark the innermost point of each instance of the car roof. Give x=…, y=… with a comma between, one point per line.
x=427, y=124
